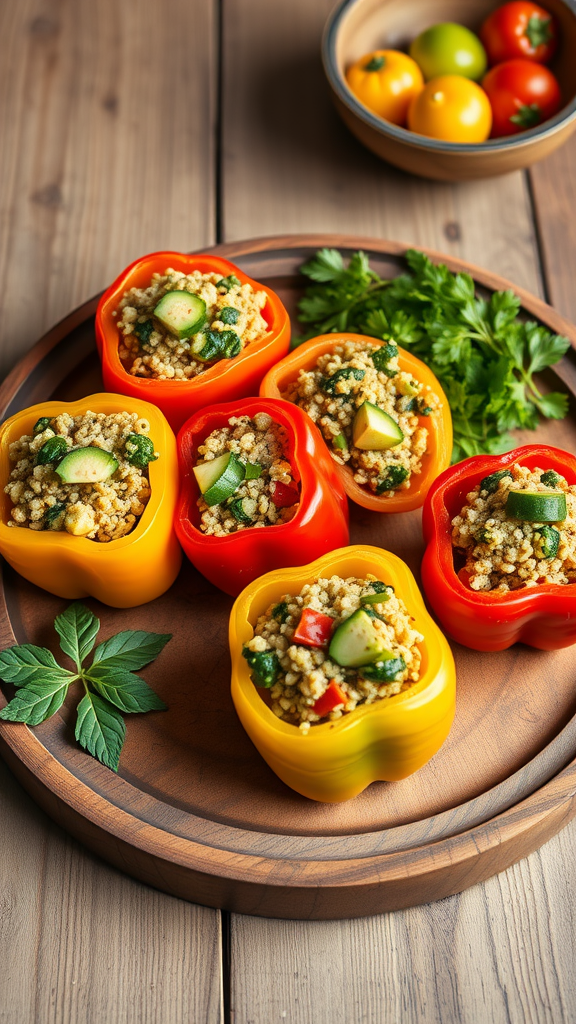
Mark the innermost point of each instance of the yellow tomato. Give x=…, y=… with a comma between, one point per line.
x=451, y=108
x=386, y=82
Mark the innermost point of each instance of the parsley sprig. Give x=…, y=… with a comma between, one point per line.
x=484, y=355
x=110, y=683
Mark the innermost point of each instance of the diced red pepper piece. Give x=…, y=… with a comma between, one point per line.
x=330, y=699
x=314, y=629
x=283, y=495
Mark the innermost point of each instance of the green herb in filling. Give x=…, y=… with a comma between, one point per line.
x=228, y=315
x=144, y=330
x=395, y=476
x=265, y=666
x=51, y=451
x=139, y=450
x=490, y=483
x=550, y=478
x=41, y=425
x=328, y=384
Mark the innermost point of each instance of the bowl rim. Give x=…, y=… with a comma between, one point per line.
x=338, y=83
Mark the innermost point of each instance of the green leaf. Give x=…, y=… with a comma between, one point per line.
x=77, y=628
x=100, y=730
x=124, y=689
x=36, y=701
x=326, y=265
x=553, y=405
x=25, y=663
x=544, y=348
x=130, y=650
x=376, y=324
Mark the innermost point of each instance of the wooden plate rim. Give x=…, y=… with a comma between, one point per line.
x=540, y=807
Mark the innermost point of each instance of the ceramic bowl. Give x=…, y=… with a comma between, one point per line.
x=358, y=26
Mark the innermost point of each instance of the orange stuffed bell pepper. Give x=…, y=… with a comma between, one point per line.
x=387, y=739
x=63, y=487
x=389, y=433
x=312, y=494
x=188, y=350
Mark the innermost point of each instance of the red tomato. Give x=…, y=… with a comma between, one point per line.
x=522, y=95
x=519, y=29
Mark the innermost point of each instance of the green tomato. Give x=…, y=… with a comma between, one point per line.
x=449, y=49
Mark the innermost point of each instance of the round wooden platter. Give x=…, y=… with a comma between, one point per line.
x=195, y=811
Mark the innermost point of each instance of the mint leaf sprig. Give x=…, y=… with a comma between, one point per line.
x=110, y=684
x=482, y=352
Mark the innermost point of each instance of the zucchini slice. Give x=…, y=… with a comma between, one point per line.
x=355, y=642
x=181, y=313
x=219, y=478
x=86, y=466
x=536, y=506
x=374, y=430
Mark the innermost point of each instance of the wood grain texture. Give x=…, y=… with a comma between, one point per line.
x=107, y=148
x=554, y=192
x=502, y=952
x=100, y=160
x=84, y=944
x=289, y=165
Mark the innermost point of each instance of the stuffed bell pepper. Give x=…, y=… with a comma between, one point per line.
x=381, y=411
x=258, y=491
x=88, y=496
x=185, y=331
x=500, y=561
x=339, y=675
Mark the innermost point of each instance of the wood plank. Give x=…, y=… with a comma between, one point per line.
x=554, y=192
x=501, y=952
x=107, y=113
x=100, y=161
x=81, y=942
x=289, y=165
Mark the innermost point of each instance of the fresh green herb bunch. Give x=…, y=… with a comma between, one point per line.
x=483, y=354
x=110, y=684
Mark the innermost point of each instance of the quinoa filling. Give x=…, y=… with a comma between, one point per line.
x=342, y=381
x=261, y=490
x=299, y=642
x=504, y=552
x=118, y=450
x=228, y=318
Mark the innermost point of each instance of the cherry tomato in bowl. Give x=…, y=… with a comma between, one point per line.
x=449, y=49
x=386, y=81
x=522, y=94
x=451, y=108
x=520, y=29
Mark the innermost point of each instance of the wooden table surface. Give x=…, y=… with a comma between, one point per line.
x=128, y=127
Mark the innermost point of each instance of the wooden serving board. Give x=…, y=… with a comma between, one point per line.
x=194, y=810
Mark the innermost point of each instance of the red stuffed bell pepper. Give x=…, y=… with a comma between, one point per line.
x=541, y=614
x=235, y=550
x=202, y=339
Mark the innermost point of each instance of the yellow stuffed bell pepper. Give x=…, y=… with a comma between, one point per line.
x=123, y=572
x=386, y=740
